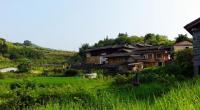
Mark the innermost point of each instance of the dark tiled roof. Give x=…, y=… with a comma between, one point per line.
x=129, y=46
x=155, y=48
x=122, y=55
x=184, y=43
x=111, y=47
x=193, y=24
x=140, y=45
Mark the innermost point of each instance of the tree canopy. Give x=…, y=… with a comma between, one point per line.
x=156, y=39
x=3, y=46
x=152, y=39
x=182, y=37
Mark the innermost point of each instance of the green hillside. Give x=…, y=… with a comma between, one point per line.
x=13, y=53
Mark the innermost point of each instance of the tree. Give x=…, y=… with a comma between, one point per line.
x=136, y=39
x=154, y=39
x=106, y=42
x=3, y=46
x=27, y=43
x=148, y=38
x=82, y=50
x=122, y=39
x=182, y=37
x=24, y=67
x=184, y=59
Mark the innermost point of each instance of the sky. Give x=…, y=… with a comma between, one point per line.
x=67, y=24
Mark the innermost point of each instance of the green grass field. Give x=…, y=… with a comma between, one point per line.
x=61, y=93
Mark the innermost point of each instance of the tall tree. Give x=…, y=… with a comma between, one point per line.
x=156, y=39
x=122, y=39
x=182, y=37
x=148, y=38
x=107, y=41
x=136, y=39
x=3, y=46
x=27, y=43
x=82, y=50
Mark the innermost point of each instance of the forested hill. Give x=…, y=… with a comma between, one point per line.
x=16, y=52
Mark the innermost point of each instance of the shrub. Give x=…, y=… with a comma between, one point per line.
x=20, y=97
x=24, y=67
x=120, y=79
x=14, y=56
x=70, y=73
x=184, y=59
x=25, y=85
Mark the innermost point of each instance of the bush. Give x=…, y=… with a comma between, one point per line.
x=121, y=79
x=14, y=56
x=184, y=59
x=20, y=97
x=24, y=67
x=71, y=73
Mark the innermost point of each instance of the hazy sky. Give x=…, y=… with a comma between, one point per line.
x=66, y=24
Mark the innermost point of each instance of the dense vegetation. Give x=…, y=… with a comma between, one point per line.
x=55, y=93
x=43, y=81
x=13, y=54
x=152, y=39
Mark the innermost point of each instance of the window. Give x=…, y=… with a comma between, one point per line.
x=159, y=55
x=150, y=56
x=145, y=56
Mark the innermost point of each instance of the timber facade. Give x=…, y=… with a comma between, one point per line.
x=129, y=57
x=194, y=29
x=183, y=45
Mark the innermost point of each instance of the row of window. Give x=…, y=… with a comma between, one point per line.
x=151, y=56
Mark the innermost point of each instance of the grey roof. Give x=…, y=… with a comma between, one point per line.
x=184, y=43
x=122, y=55
x=129, y=46
x=155, y=48
x=111, y=47
x=140, y=45
x=193, y=24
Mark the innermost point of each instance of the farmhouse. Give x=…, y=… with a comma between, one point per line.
x=182, y=45
x=129, y=56
x=194, y=29
x=155, y=55
x=99, y=55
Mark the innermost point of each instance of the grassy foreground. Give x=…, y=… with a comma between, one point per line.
x=59, y=93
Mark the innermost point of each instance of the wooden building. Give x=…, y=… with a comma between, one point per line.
x=125, y=61
x=129, y=57
x=182, y=45
x=194, y=29
x=155, y=55
x=98, y=55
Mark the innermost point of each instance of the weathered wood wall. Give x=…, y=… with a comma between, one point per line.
x=93, y=60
